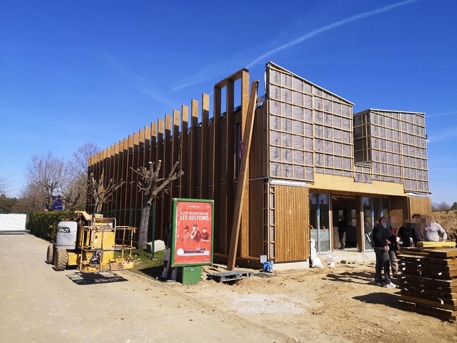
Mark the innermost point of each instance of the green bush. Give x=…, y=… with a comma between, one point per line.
x=44, y=224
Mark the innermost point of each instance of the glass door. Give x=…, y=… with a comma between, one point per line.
x=373, y=209
x=368, y=221
x=319, y=220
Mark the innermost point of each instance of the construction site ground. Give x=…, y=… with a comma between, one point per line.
x=38, y=304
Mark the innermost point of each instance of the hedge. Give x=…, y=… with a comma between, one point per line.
x=44, y=224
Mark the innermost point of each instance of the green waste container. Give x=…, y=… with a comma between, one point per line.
x=191, y=275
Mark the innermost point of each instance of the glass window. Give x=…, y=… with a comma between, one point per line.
x=319, y=220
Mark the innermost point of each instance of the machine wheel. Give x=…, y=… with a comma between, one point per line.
x=50, y=254
x=61, y=259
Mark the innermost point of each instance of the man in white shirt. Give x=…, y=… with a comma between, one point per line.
x=433, y=231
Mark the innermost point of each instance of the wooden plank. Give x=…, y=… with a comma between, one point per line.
x=423, y=282
x=193, y=152
x=428, y=260
x=430, y=294
x=451, y=305
x=429, y=310
x=435, y=244
x=228, y=132
x=244, y=176
x=160, y=154
x=246, y=212
x=433, y=253
x=428, y=267
x=430, y=273
x=184, y=152
x=167, y=164
x=175, y=187
x=205, y=161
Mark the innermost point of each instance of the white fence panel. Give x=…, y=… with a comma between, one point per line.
x=12, y=222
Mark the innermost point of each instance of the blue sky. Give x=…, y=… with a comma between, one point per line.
x=77, y=72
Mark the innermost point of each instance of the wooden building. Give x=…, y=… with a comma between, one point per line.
x=311, y=160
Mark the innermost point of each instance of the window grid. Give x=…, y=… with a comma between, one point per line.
x=395, y=143
x=310, y=130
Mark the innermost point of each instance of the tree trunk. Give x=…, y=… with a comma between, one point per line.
x=144, y=225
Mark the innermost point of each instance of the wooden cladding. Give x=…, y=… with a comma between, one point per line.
x=206, y=149
x=291, y=233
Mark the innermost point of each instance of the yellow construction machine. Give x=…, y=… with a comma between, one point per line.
x=92, y=244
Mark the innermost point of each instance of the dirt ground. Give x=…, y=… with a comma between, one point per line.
x=339, y=305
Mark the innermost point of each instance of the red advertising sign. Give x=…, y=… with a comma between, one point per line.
x=192, y=232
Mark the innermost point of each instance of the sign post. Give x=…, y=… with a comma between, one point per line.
x=192, y=237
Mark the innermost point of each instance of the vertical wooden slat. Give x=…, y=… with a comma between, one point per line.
x=220, y=226
x=230, y=151
x=117, y=176
x=161, y=155
x=245, y=219
x=183, y=154
x=175, y=190
x=166, y=167
x=243, y=182
x=204, y=159
x=193, y=172
x=125, y=159
x=130, y=162
x=133, y=186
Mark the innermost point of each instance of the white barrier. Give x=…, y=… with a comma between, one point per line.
x=12, y=222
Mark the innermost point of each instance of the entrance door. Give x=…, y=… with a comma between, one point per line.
x=319, y=220
x=345, y=206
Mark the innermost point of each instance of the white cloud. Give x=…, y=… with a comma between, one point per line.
x=210, y=71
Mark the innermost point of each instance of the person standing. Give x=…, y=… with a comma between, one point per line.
x=433, y=231
x=341, y=230
x=393, y=247
x=381, y=240
x=408, y=232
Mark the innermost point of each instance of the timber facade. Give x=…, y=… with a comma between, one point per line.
x=307, y=161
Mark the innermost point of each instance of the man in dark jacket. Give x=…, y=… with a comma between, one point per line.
x=410, y=233
x=341, y=230
x=381, y=240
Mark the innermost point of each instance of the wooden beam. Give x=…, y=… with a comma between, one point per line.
x=244, y=176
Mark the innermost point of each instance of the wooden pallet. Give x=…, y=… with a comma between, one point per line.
x=230, y=276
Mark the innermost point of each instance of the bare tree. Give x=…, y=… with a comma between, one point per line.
x=50, y=179
x=3, y=184
x=442, y=206
x=30, y=199
x=75, y=193
x=152, y=185
x=46, y=176
x=101, y=192
x=80, y=158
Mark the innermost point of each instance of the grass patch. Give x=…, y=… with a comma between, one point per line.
x=146, y=265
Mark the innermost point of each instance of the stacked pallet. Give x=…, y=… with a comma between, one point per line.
x=429, y=279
